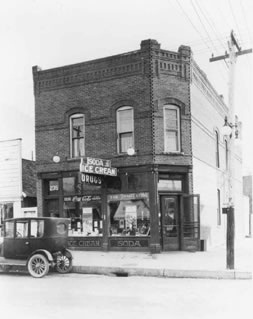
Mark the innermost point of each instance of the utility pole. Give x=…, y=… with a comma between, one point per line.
x=234, y=52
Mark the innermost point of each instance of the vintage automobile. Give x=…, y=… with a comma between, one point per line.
x=41, y=241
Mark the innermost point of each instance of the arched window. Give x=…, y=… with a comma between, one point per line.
x=125, y=128
x=217, y=153
x=77, y=135
x=172, y=129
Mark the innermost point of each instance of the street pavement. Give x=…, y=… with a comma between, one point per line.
x=174, y=264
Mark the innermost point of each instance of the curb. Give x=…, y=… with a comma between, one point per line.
x=144, y=272
x=165, y=273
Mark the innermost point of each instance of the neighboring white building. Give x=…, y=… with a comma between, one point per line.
x=17, y=181
x=210, y=161
x=248, y=196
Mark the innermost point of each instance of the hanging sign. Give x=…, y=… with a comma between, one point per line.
x=91, y=179
x=97, y=166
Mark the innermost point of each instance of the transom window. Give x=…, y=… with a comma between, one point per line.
x=77, y=135
x=171, y=129
x=125, y=128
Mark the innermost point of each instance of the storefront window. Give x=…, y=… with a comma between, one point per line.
x=53, y=187
x=129, y=215
x=52, y=208
x=85, y=214
x=170, y=185
x=137, y=181
x=69, y=185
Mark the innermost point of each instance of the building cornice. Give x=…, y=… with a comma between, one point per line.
x=114, y=67
x=199, y=78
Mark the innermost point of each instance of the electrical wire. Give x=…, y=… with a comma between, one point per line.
x=196, y=29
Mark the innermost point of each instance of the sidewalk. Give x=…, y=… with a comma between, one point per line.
x=176, y=264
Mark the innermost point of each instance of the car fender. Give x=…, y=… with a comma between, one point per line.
x=68, y=254
x=44, y=252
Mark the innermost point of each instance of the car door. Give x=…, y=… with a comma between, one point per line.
x=22, y=240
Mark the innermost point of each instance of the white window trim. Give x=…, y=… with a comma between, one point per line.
x=70, y=128
x=118, y=140
x=217, y=148
x=172, y=107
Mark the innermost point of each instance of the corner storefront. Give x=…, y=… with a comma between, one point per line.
x=135, y=208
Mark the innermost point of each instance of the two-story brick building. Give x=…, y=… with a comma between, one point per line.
x=114, y=148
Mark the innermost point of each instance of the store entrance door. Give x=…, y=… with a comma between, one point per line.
x=170, y=222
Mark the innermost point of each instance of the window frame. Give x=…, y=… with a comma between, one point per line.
x=123, y=108
x=217, y=148
x=178, y=130
x=218, y=207
x=226, y=154
x=74, y=116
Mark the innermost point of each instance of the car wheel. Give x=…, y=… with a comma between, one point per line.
x=38, y=266
x=63, y=264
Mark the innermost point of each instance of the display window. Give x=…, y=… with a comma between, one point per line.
x=85, y=215
x=129, y=215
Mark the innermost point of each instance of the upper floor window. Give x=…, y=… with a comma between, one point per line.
x=171, y=129
x=77, y=135
x=125, y=128
x=226, y=154
x=217, y=153
x=218, y=208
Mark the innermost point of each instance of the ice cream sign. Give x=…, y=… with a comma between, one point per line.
x=90, y=165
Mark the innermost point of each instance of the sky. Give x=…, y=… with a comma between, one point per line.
x=52, y=33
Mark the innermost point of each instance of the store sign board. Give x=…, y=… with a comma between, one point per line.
x=86, y=198
x=91, y=179
x=97, y=162
x=90, y=165
x=84, y=242
x=130, y=196
x=130, y=243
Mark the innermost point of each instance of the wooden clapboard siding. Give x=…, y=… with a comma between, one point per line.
x=10, y=170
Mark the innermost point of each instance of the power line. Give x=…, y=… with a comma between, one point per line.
x=234, y=18
x=246, y=22
x=196, y=29
x=203, y=25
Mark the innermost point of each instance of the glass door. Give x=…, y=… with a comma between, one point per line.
x=170, y=222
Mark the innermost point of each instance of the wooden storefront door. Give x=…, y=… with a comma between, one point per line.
x=170, y=222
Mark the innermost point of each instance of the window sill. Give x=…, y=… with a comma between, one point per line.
x=74, y=159
x=173, y=153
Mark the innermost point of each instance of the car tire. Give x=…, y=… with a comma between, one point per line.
x=63, y=264
x=38, y=266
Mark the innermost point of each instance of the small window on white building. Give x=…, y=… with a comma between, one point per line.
x=77, y=135
x=171, y=129
x=125, y=128
x=218, y=208
x=217, y=152
x=226, y=154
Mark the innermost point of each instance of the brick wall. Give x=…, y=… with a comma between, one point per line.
x=97, y=88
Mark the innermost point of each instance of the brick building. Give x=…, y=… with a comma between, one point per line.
x=114, y=148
